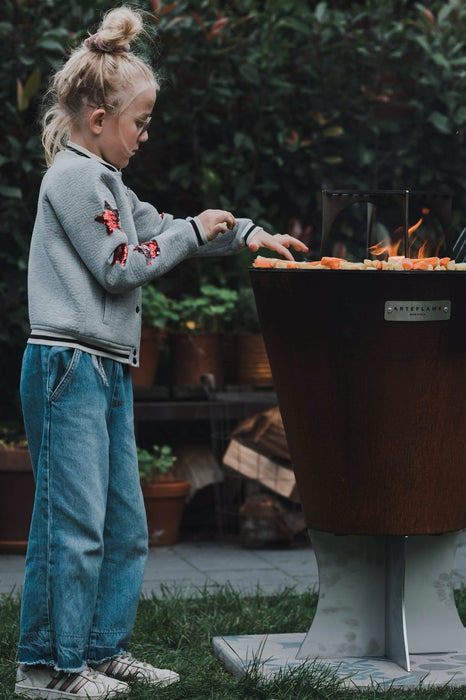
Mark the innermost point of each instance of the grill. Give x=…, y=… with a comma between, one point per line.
x=369, y=367
x=369, y=370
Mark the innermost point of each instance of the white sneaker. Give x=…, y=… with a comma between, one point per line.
x=45, y=682
x=126, y=666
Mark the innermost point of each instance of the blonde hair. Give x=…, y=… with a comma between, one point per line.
x=102, y=72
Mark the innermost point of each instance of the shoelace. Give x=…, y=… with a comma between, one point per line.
x=93, y=675
x=127, y=657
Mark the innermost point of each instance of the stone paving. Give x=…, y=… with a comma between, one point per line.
x=191, y=566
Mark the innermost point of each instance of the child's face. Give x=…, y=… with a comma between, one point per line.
x=123, y=134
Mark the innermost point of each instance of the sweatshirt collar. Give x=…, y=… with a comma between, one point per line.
x=80, y=150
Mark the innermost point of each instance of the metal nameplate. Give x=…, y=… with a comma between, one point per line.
x=438, y=310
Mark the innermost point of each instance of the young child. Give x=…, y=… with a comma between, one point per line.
x=94, y=244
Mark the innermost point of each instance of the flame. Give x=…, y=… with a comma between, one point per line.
x=422, y=253
x=385, y=247
x=390, y=248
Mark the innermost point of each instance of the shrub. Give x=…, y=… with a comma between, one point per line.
x=263, y=104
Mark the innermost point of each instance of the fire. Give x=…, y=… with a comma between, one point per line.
x=390, y=246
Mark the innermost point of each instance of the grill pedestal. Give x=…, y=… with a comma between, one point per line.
x=384, y=597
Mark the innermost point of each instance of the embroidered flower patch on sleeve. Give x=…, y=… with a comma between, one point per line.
x=150, y=250
x=120, y=254
x=110, y=217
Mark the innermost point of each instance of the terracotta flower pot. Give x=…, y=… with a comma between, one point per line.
x=164, y=503
x=16, y=499
x=195, y=354
x=252, y=362
x=151, y=340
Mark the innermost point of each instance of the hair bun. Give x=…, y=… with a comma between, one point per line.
x=96, y=43
x=119, y=27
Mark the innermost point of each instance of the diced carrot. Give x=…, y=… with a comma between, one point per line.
x=328, y=258
x=332, y=263
x=260, y=261
x=444, y=261
x=293, y=265
x=423, y=263
x=407, y=264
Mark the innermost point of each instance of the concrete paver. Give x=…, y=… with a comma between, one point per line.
x=189, y=567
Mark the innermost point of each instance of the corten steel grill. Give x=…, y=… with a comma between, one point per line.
x=370, y=370
x=374, y=409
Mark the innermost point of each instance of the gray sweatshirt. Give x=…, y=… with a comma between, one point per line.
x=93, y=245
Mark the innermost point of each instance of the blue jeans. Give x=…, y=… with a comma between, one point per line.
x=88, y=541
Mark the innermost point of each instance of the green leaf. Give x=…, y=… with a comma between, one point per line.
x=26, y=92
x=11, y=192
x=26, y=60
x=422, y=41
x=445, y=11
x=333, y=131
x=441, y=122
x=440, y=60
x=250, y=73
x=460, y=116
x=294, y=24
x=242, y=140
x=49, y=44
x=6, y=27
x=32, y=84
x=320, y=11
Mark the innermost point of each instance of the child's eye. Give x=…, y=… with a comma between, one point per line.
x=142, y=125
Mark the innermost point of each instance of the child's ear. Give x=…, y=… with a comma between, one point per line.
x=97, y=120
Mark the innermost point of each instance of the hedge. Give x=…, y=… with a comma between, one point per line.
x=263, y=105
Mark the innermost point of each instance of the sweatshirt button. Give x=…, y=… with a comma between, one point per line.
x=137, y=309
x=135, y=361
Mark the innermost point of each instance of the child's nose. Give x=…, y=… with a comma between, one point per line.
x=143, y=136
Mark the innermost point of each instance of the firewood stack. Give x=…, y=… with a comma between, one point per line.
x=259, y=450
x=266, y=432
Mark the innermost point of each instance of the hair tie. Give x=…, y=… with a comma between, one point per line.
x=96, y=43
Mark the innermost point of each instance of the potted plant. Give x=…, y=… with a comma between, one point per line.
x=164, y=494
x=158, y=312
x=16, y=492
x=197, y=346
x=252, y=362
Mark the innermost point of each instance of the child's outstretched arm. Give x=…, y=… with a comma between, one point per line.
x=278, y=242
x=217, y=224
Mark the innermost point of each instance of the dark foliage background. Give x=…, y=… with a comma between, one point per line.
x=263, y=105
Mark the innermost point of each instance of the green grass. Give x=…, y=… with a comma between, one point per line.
x=175, y=632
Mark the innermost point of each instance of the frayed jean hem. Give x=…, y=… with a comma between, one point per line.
x=52, y=664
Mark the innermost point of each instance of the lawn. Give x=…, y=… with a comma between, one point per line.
x=174, y=632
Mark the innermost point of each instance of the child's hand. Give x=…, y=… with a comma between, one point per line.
x=279, y=242
x=215, y=221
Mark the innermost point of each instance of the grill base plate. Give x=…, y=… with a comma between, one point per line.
x=386, y=616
